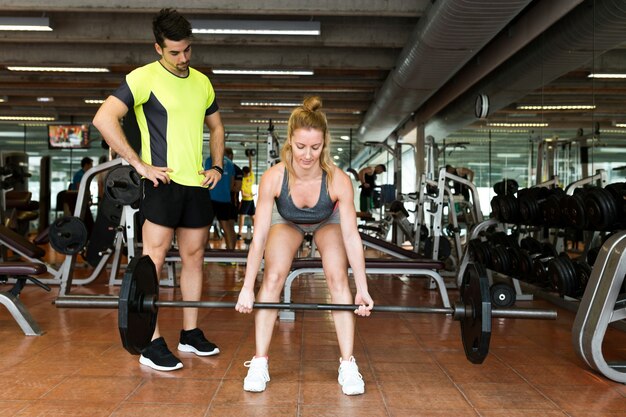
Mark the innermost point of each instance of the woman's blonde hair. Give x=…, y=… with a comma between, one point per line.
x=308, y=116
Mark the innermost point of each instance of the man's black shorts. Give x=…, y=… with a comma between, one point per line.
x=174, y=205
x=247, y=207
x=224, y=211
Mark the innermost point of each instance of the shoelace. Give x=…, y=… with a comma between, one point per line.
x=258, y=369
x=350, y=371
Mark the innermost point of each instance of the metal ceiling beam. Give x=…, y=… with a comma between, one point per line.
x=356, y=7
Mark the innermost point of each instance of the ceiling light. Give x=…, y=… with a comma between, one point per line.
x=264, y=121
x=517, y=124
x=57, y=69
x=344, y=137
x=620, y=124
x=269, y=104
x=559, y=107
x=336, y=157
x=27, y=118
x=3, y=99
x=93, y=101
x=618, y=131
x=262, y=72
x=503, y=130
x=599, y=75
x=25, y=23
x=508, y=155
x=255, y=27
x=45, y=99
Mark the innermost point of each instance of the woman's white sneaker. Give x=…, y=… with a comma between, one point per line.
x=258, y=375
x=350, y=379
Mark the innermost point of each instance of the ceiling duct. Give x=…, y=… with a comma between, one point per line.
x=591, y=29
x=449, y=34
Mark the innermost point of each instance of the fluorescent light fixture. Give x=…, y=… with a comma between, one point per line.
x=38, y=24
x=600, y=75
x=93, y=101
x=45, y=99
x=255, y=27
x=339, y=149
x=344, y=137
x=503, y=130
x=610, y=150
x=617, y=131
x=620, y=124
x=27, y=118
x=269, y=104
x=264, y=121
x=262, y=72
x=559, y=107
x=517, y=124
x=508, y=155
x=57, y=69
x=3, y=99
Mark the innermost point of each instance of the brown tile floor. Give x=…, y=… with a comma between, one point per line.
x=413, y=365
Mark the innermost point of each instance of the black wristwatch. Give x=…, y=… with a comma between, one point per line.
x=218, y=169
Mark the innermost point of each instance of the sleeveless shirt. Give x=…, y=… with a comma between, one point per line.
x=321, y=211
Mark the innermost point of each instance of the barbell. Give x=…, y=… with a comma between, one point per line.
x=138, y=306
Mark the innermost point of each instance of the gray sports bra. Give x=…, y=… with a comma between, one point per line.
x=322, y=210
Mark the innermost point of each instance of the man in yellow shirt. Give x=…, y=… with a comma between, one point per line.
x=247, y=196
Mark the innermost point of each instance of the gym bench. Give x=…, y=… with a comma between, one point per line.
x=22, y=272
x=210, y=255
x=422, y=267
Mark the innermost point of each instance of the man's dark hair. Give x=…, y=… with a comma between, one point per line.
x=86, y=160
x=245, y=170
x=382, y=167
x=169, y=24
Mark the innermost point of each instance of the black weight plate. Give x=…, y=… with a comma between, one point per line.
x=476, y=324
x=600, y=209
x=509, y=209
x=531, y=244
x=540, y=270
x=502, y=295
x=68, y=235
x=583, y=272
x=110, y=210
x=122, y=185
x=495, y=208
x=500, y=260
x=573, y=208
x=136, y=323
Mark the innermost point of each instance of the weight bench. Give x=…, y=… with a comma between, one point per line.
x=423, y=267
x=22, y=272
x=389, y=248
x=210, y=255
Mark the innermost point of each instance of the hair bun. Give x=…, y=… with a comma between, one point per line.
x=312, y=103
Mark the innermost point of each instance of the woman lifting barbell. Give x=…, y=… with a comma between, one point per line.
x=288, y=208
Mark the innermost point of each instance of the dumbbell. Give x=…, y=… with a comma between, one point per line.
x=250, y=152
x=605, y=207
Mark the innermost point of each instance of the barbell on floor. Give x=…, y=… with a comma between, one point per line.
x=138, y=306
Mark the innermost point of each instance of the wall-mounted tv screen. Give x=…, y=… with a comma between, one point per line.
x=68, y=136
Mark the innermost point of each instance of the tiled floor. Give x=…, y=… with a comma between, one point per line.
x=413, y=365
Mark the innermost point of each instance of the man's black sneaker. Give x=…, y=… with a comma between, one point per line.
x=157, y=356
x=194, y=341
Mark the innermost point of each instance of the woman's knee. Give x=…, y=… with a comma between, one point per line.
x=273, y=282
x=337, y=282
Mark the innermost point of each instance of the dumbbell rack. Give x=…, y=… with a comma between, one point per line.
x=465, y=260
x=602, y=305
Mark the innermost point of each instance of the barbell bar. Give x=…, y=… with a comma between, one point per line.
x=138, y=306
x=112, y=302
